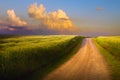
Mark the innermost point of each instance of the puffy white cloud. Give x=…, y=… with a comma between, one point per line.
x=37, y=12
x=57, y=20
x=14, y=20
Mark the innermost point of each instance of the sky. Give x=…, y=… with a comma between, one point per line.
x=82, y=17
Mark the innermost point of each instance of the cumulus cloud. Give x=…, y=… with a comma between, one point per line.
x=11, y=23
x=57, y=20
x=14, y=20
x=99, y=9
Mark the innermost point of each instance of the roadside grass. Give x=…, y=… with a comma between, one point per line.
x=110, y=48
x=22, y=56
x=112, y=44
x=39, y=75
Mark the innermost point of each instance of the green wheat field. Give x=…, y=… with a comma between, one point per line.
x=23, y=55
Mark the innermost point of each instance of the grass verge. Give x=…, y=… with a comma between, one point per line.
x=112, y=62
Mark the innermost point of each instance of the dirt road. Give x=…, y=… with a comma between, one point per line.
x=86, y=64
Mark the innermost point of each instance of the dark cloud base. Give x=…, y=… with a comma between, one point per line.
x=24, y=31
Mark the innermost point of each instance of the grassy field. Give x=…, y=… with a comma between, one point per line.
x=110, y=48
x=21, y=56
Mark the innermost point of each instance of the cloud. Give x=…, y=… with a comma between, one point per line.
x=14, y=20
x=57, y=20
x=11, y=23
x=6, y=28
x=3, y=27
x=99, y=9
